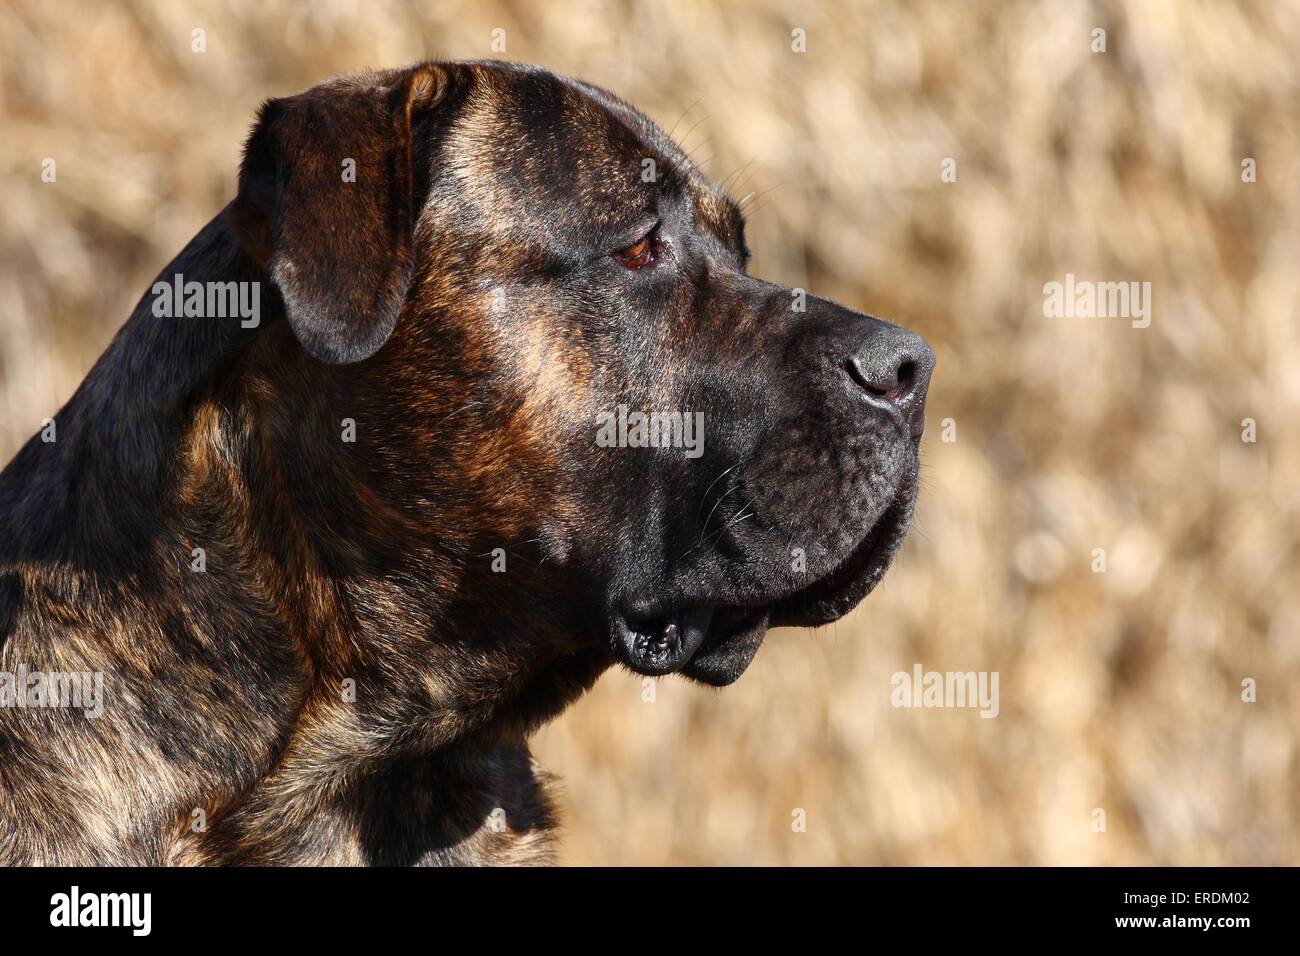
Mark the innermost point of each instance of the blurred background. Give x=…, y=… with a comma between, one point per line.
x=1120, y=691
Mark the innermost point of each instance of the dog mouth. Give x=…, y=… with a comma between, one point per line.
x=714, y=643
x=664, y=644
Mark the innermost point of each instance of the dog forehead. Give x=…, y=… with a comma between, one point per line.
x=540, y=144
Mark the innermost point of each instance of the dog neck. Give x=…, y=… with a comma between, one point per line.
x=226, y=515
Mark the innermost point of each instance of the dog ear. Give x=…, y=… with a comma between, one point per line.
x=326, y=202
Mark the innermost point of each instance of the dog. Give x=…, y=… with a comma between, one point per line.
x=511, y=412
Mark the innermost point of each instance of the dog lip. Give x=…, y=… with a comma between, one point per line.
x=709, y=643
x=661, y=645
x=840, y=590
x=728, y=650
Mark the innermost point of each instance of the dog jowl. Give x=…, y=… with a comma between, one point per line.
x=335, y=565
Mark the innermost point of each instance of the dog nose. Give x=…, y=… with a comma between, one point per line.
x=893, y=367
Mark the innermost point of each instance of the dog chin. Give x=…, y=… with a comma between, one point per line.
x=734, y=643
x=714, y=643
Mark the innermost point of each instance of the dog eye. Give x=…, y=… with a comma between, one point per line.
x=639, y=254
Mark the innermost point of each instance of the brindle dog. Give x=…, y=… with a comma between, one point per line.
x=414, y=549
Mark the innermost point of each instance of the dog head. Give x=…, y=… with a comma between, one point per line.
x=548, y=306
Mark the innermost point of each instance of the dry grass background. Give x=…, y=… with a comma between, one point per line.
x=1120, y=690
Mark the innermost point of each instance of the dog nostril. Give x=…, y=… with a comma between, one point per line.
x=906, y=375
x=864, y=380
x=889, y=385
x=893, y=366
